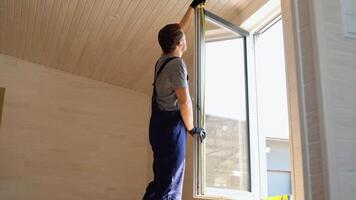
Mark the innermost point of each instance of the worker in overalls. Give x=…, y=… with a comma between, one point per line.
x=172, y=112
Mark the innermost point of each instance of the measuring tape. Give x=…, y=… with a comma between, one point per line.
x=202, y=14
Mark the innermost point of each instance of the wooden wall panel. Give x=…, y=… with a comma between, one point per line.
x=296, y=112
x=68, y=137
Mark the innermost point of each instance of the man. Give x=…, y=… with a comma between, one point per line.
x=172, y=112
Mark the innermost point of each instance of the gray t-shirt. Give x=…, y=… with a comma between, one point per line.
x=173, y=76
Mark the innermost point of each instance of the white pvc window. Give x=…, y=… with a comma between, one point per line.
x=226, y=164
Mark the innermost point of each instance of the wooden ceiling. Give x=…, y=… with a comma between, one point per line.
x=114, y=41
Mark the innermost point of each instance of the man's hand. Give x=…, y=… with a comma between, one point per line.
x=198, y=131
x=195, y=3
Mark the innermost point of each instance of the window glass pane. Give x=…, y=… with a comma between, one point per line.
x=271, y=83
x=272, y=106
x=227, y=149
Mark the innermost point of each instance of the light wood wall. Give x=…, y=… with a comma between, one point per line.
x=67, y=137
x=299, y=161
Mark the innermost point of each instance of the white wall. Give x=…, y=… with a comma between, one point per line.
x=336, y=87
x=69, y=138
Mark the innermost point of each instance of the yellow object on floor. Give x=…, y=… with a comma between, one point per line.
x=282, y=197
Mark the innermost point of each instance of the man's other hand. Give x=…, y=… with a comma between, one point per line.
x=198, y=131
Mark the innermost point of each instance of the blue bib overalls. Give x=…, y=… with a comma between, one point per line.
x=167, y=135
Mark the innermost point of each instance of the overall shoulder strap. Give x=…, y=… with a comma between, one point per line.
x=162, y=67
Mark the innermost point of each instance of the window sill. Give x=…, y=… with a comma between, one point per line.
x=211, y=197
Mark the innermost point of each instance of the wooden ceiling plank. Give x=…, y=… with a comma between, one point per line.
x=172, y=10
x=74, y=30
x=248, y=8
x=104, y=40
x=35, y=26
x=43, y=31
x=30, y=28
x=223, y=10
x=110, y=26
x=37, y=37
x=104, y=35
x=46, y=31
x=83, y=42
x=114, y=41
x=76, y=47
x=8, y=26
x=10, y=30
x=97, y=43
x=120, y=37
x=212, y=4
x=139, y=35
x=3, y=25
x=50, y=32
x=25, y=27
x=71, y=11
x=19, y=27
x=89, y=56
x=120, y=12
x=129, y=34
x=217, y=7
x=58, y=33
x=136, y=27
x=148, y=67
x=114, y=65
x=128, y=12
x=236, y=8
x=16, y=27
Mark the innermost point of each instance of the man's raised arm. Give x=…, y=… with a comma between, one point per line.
x=187, y=19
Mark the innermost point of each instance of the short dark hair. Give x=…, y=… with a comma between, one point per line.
x=169, y=36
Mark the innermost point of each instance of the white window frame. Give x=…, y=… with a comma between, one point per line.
x=276, y=17
x=256, y=152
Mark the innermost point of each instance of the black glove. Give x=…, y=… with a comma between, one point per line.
x=195, y=3
x=198, y=131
